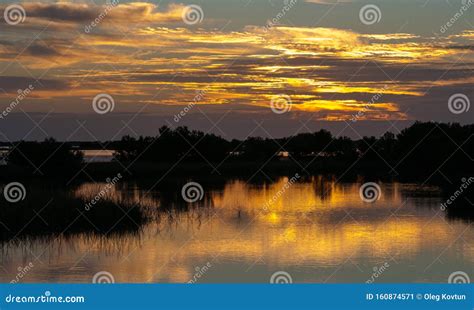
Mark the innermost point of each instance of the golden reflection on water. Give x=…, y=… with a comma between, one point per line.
x=317, y=229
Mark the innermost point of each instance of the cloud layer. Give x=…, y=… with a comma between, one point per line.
x=147, y=55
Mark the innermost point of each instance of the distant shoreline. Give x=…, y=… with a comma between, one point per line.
x=430, y=153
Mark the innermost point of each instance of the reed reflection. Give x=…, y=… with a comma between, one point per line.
x=311, y=227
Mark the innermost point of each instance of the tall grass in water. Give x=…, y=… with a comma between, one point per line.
x=44, y=213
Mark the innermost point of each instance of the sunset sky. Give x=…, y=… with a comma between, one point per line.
x=319, y=54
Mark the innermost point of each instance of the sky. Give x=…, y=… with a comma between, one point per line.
x=84, y=70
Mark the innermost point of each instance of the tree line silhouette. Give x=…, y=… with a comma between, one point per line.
x=421, y=149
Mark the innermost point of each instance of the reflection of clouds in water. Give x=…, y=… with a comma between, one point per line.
x=319, y=223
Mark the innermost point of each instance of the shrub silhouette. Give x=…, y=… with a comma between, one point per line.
x=426, y=147
x=420, y=150
x=47, y=157
x=169, y=145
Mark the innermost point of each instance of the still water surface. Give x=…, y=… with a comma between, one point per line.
x=316, y=230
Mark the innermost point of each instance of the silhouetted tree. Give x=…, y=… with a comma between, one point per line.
x=309, y=144
x=420, y=150
x=47, y=157
x=172, y=145
x=425, y=148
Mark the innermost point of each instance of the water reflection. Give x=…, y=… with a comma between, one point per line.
x=317, y=230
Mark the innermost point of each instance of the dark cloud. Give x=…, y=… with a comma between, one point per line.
x=41, y=49
x=62, y=11
x=13, y=83
x=461, y=47
x=143, y=54
x=353, y=70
